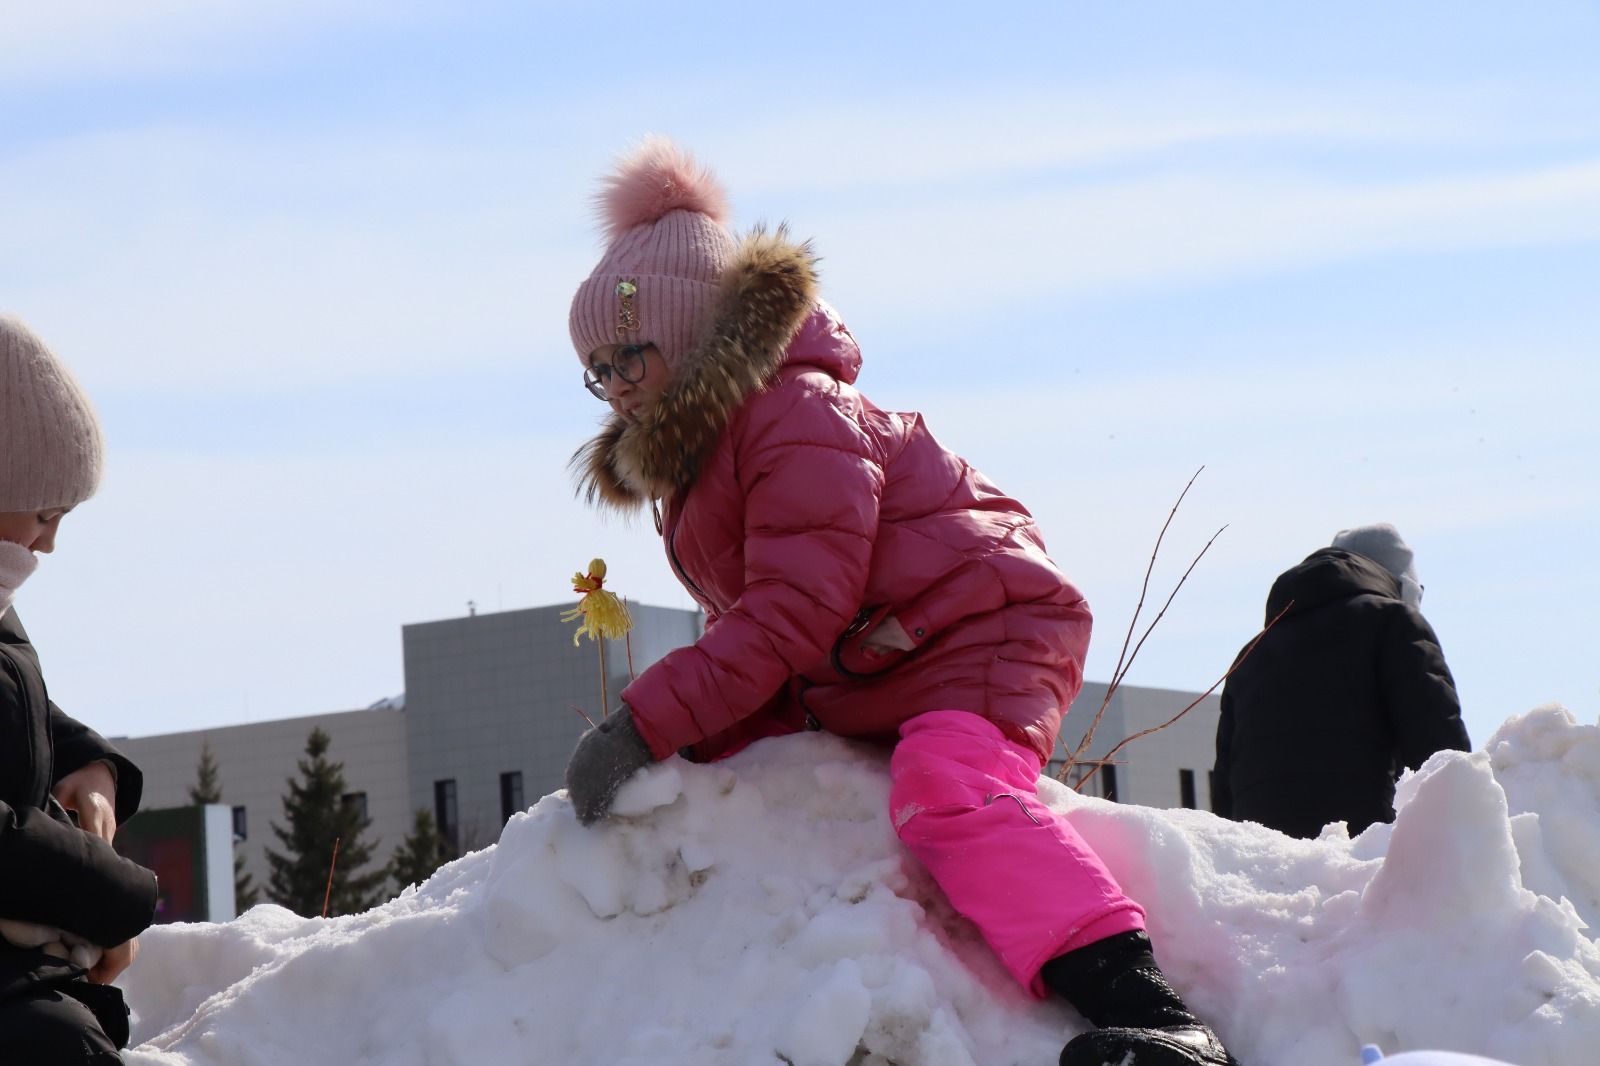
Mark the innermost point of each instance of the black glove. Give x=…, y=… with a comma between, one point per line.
x=605, y=757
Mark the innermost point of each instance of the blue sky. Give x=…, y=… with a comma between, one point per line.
x=312, y=261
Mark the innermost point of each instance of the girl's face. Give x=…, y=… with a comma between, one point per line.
x=628, y=398
x=34, y=530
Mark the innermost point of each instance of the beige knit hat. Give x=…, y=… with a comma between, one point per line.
x=51, y=450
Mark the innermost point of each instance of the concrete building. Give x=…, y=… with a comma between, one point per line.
x=494, y=703
x=493, y=706
x=255, y=761
x=1169, y=768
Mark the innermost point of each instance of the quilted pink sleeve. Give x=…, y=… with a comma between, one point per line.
x=811, y=485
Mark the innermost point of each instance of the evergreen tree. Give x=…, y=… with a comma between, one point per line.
x=317, y=816
x=245, y=894
x=421, y=852
x=207, y=788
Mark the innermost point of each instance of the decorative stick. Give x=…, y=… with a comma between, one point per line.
x=602, y=616
x=328, y=893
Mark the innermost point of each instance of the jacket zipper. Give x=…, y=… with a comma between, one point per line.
x=672, y=558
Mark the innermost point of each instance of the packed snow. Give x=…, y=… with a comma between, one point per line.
x=761, y=910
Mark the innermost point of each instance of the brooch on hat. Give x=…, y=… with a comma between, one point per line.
x=627, y=314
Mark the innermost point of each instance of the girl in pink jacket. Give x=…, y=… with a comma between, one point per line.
x=857, y=577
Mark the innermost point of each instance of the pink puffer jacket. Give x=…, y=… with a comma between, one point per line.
x=801, y=517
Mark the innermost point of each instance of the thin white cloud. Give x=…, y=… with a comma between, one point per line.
x=978, y=253
x=197, y=257
x=910, y=145
x=66, y=40
x=941, y=135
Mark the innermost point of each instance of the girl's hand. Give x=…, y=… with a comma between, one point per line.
x=92, y=793
x=113, y=961
x=605, y=757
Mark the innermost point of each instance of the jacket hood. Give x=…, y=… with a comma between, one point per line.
x=1327, y=575
x=767, y=314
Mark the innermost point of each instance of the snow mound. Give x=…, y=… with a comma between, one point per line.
x=762, y=911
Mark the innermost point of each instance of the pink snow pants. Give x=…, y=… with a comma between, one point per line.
x=964, y=800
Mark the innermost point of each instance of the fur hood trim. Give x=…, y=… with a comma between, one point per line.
x=768, y=291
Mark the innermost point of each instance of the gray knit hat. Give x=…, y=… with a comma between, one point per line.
x=51, y=450
x=658, y=282
x=1381, y=543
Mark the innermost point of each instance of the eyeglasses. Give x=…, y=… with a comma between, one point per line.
x=627, y=363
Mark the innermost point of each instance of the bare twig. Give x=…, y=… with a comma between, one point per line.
x=1117, y=678
x=579, y=712
x=1106, y=758
x=328, y=892
x=605, y=702
x=1125, y=658
x=1148, y=570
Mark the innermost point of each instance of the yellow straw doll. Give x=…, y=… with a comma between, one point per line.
x=604, y=617
x=603, y=614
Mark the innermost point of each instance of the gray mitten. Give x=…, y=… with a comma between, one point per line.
x=605, y=757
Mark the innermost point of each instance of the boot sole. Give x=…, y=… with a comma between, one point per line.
x=1142, y=1047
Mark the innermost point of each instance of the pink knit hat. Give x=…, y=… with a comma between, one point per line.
x=50, y=445
x=665, y=220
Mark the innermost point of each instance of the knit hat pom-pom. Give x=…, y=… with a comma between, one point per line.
x=656, y=178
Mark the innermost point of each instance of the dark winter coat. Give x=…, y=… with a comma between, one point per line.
x=799, y=516
x=1345, y=691
x=51, y=872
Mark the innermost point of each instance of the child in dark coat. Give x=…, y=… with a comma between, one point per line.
x=1347, y=690
x=70, y=907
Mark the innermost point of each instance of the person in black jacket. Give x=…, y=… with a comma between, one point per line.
x=1347, y=689
x=71, y=908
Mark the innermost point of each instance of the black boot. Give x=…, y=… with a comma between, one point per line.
x=1139, y=1019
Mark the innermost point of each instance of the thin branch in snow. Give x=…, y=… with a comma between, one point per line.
x=1125, y=658
x=1095, y=767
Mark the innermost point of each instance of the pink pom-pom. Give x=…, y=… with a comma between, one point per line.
x=658, y=177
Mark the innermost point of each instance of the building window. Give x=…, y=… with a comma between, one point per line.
x=355, y=802
x=1186, y=788
x=510, y=795
x=444, y=812
x=1108, y=782
x=241, y=830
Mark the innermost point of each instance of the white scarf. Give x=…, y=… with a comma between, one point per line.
x=17, y=564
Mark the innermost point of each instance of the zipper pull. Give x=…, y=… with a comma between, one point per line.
x=655, y=512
